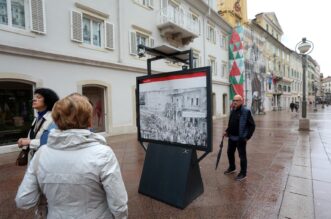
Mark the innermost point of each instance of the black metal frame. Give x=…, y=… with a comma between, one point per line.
x=189, y=61
x=160, y=55
x=206, y=70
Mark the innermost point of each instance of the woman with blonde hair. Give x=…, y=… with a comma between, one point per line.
x=76, y=171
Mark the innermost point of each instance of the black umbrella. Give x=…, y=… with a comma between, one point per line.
x=219, y=153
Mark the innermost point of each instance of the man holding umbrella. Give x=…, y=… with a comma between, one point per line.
x=240, y=129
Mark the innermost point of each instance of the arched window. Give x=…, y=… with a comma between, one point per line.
x=16, y=113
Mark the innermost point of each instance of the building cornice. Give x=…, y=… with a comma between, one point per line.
x=65, y=58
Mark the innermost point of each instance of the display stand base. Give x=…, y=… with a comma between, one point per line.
x=171, y=175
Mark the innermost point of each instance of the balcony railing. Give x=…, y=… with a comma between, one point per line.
x=178, y=22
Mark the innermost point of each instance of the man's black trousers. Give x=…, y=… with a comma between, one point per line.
x=241, y=146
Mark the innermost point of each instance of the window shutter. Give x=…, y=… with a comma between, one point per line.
x=151, y=42
x=151, y=3
x=76, y=26
x=38, y=21
x=109, y=36
x=133, y=43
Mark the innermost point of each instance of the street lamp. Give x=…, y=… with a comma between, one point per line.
x=304, y=47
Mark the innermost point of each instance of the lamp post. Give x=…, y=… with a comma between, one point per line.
x=304, y=47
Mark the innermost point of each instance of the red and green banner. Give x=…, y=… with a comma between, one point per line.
x=236, y=59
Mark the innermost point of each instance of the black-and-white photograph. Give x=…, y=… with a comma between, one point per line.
x=174, y=109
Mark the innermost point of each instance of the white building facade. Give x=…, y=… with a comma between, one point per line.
x=90, y=47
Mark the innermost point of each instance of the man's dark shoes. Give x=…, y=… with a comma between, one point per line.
x=241, y=177
x=229, y=171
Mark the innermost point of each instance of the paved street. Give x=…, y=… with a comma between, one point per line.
x=289, y=174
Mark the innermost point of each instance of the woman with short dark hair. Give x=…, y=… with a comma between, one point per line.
x=43, y=102
x=76, y=171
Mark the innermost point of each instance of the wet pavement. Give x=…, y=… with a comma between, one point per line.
x=289, y=174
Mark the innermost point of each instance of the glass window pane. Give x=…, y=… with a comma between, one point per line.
x=17, y=11
x=141, y=39
x=86, y=30
x=16, y=113
x=3, y=12
x=97, y=33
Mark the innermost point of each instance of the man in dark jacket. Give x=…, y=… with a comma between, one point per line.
x=240, y=129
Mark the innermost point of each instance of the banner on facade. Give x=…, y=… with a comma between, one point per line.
x=236, y=59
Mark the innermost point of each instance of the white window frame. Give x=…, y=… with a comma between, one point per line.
x=145, y=3
x=211, y=33
x=224, y=70
x=133, y=44
x=223, y=41
x=196, y=59
x=107, y=36
x=196, y=18
x=34, y=17
x=10, y=16
x=102, y=29
x=213, y=65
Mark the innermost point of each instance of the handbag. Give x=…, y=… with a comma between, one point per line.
x=22, y=158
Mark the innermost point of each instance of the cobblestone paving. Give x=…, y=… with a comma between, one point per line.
x=289, y=174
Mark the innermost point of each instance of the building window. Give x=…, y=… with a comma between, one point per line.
x=213, y=65
x=136, y=38
x=12, y=13
x=146, y=3
x=195, y=23
x=142, y=39
x=196, y=60
x=16, y=113
x=91, y=31
x=223, y=41
x=211, y=35
x=224, y=70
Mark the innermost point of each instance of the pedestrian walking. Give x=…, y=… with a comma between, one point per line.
x=292, y=106
x=240, y=129
x=43, y=102
x=296, y=107
x=76, y=171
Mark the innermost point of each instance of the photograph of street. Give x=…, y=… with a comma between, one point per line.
x=173, y=109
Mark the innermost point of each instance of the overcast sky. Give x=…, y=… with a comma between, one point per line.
x=301, y=18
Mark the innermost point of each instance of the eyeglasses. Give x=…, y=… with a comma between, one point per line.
x=37, y=98
x=236, y=100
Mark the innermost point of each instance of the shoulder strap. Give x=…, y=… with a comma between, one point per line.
x=34, y=133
